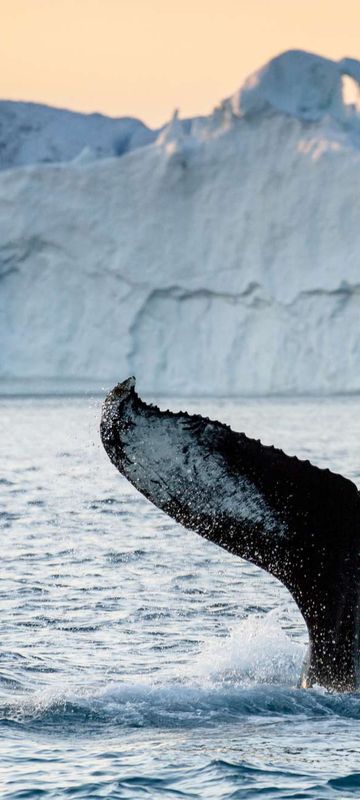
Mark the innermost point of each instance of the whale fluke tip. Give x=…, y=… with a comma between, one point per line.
x=125, y=386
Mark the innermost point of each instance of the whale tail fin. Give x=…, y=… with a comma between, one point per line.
x=298, y=522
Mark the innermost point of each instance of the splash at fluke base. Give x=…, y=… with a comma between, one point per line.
x=298, y=522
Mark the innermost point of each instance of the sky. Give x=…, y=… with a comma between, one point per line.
x=145, y=58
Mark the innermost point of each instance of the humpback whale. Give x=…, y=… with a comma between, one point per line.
x=298, y=522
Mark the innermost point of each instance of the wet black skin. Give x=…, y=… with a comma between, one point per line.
x=317, y=555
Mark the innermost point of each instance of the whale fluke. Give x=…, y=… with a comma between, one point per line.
x=298, y=522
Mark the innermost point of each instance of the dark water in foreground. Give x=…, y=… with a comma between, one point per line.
x=138, y=660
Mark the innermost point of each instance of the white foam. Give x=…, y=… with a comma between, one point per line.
x=256, y=651
x=230, y=677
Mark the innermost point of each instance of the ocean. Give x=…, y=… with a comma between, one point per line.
x=138, y=660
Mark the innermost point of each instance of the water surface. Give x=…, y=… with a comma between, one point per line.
x=137, y=659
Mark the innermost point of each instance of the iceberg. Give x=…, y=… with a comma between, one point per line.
x=218, y=256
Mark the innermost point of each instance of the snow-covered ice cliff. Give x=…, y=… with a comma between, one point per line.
x=221, y=258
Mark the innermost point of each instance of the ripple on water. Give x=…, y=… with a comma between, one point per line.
x=138, y=660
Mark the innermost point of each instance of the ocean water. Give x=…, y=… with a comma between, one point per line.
x=138, y=660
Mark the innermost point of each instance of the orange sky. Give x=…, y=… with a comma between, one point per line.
x=145, y=57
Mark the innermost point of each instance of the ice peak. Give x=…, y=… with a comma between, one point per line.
x=297, y=83
x=173, y=131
